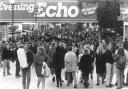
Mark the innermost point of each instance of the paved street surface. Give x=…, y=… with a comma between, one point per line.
x=10, y=82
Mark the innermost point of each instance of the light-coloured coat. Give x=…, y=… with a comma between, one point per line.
x=70, y=61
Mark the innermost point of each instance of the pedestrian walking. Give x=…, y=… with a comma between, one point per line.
x=109, y=65
x=71, y=65
x=120, y=66
x=38, y=62
x=85, y=66
x=6, y=55
x=100, y=63
x=58, y=64
x=25, y=58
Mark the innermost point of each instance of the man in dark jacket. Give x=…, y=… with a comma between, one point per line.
x=58, y=64
x=85, y=66
x=6, y=55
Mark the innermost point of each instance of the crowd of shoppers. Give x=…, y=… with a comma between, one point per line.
x=69, y=55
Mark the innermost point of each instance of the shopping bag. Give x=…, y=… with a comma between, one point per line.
x=46, y=70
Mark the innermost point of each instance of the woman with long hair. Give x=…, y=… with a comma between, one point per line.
x=100, y=63
x=38, y=61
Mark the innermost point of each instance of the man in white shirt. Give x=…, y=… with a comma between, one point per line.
x=25, y=58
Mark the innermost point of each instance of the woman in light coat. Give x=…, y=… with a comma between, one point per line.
x=71, y=65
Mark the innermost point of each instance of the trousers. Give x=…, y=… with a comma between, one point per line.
x=58, y=76
x=109, y=74
x=17, y=67
x=6, y=66
x=26, y=75
x=120, y=78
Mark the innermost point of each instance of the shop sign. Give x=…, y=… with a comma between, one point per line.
x=44, y=10
x=47, y=10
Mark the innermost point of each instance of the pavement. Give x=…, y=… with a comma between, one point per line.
x=11, y=82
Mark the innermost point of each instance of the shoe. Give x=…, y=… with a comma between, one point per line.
x=116, y=84
x=110, y=85
x=62, y=80
x=107, y=86
x=91, y=77
x=98, y=84
x=57, y=86
x=18, y=76
x=60, y=84
x=53, y=79
x=124, y=84
x=3, y=74
x=8, y=73
x=67, y=85
x=75, y=86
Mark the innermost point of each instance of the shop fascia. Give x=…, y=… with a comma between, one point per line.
x=44, y=10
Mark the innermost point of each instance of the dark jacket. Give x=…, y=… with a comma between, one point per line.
x=6, y=54
x=100, y=63
x=85, y=63
x=29, y=58
x=58, y=62
x=109, y=57
x=33, y=49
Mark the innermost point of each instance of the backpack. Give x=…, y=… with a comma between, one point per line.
x=121, y=62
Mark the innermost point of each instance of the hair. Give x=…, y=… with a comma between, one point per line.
x=86, y=51
x=69, y=48
x=100, y=49
x=42, y=50
x=58, y=49
x=120, y=52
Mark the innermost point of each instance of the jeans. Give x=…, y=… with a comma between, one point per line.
x=17, y=67
x=26, y=75
x=109, y=73
x=6, y=65
x=120, y=78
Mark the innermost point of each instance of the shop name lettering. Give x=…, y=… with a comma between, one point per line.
x=43, y=10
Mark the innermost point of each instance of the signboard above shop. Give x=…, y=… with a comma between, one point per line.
x=48, y=11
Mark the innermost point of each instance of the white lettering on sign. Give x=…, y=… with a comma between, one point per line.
x=76, y=11
x=43, y=10
x=60, y=8
x=49, y=9
x=89, y=11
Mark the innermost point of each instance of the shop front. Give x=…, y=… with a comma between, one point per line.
x=43, y=12
x=124, y=18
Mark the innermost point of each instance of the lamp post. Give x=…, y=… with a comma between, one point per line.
x=12, y=4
